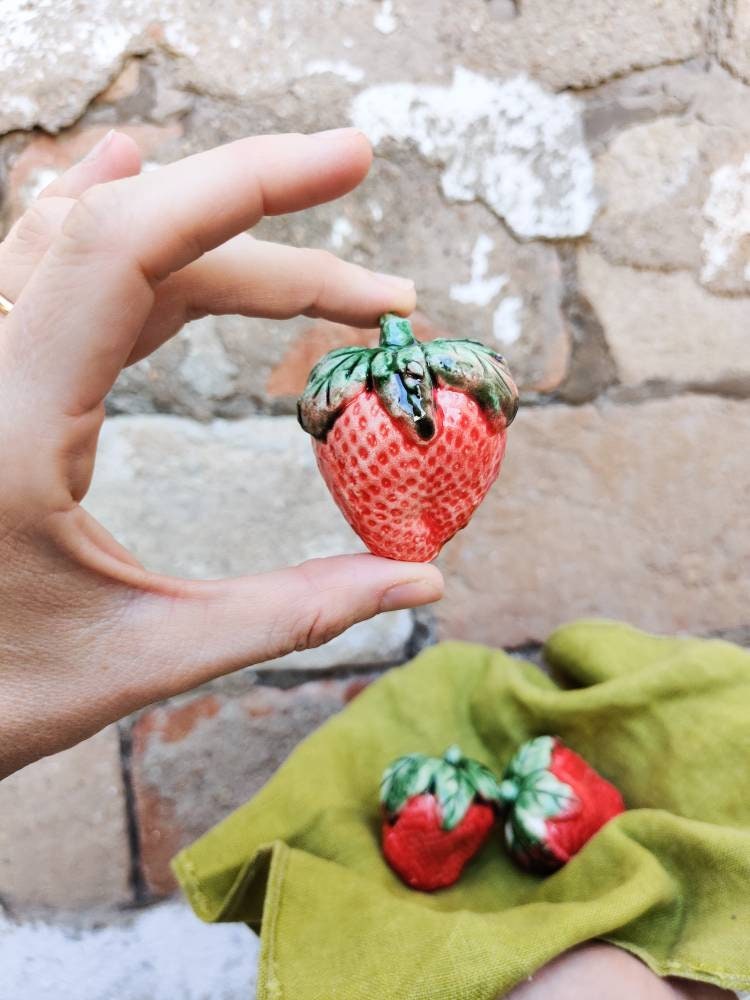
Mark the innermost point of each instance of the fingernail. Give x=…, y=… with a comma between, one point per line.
x=99, y=147
x=410, y=595
x=395, y=281
x=336, y=133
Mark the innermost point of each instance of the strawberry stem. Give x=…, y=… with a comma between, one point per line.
x=395, y=331
x=508, y=791
x=453, y=755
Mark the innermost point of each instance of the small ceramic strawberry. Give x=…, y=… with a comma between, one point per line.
x=409, y=436
x=555, y=803
x=438, y=812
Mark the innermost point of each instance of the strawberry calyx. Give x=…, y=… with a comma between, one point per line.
x=534, y=796
x=404, y=373
x=454, y=780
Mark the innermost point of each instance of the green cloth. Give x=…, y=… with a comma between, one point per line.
x=668, y=720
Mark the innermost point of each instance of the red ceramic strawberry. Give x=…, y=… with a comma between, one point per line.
x=409, y=436
x=555, y=802
x=438, y=812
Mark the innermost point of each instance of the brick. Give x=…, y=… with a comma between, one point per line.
x=197, y=759
x=63, y=836
x=634, y=512
x=230, y=498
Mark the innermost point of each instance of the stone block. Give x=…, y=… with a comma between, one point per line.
x=63, y=837
x=665, y=328
x=633, y=512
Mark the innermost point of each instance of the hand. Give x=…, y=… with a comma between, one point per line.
x=103, y=268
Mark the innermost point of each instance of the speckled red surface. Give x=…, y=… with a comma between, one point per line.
x=406, y=499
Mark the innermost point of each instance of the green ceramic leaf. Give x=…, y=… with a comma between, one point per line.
x=534, y=795
x=406, y=777
x=482, y=779
x=535, y=755
x=455, y=781
x=337, y=378
x=547, y=796
x=530, y=821
x=455, y=793
x=476, y=369
x=394, y=777
x=403, y=373
x=423, y=775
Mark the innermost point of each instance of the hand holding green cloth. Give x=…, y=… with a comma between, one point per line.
x=667, y=720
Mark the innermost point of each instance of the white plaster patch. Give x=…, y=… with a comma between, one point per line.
x=162, y=953
x=509, y=143
x=726, y=240
x=265, y=17
x=479, y=290
x=376, y=211
x=207, y=369
x=339, y=67
x=506, y=320
x=384, y=19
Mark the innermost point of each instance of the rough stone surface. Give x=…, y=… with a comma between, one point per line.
x=230, y=498
x=197, y=760
x=635, y=512
x=581, y=45
x=215, y=367
x=664, y=327
x=259, y=46
x=676, y=190
x=63, y=836
x=164, y=953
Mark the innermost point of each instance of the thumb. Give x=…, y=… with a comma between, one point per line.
x=205, y=629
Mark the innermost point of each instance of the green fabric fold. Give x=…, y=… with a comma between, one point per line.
x=667, y=720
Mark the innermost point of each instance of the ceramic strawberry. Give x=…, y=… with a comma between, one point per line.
x=438, y=812
x=555, y=804
x=409, y=436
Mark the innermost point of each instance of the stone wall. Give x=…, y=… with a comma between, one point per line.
x=568, y=180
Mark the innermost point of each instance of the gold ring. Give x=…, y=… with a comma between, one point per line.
x=5, y=305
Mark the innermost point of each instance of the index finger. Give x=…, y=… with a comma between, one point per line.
x=79, y=315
